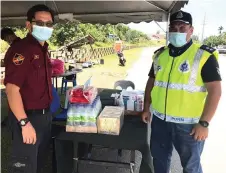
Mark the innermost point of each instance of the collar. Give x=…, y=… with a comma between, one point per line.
x=34, y=41
x=177, y=51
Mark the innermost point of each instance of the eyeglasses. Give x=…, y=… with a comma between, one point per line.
x=41, y=23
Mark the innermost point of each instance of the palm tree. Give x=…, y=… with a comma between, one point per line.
x=220, y=29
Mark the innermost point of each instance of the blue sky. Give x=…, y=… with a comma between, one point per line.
x=215, y=16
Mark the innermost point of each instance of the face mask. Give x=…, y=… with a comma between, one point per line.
x=177, y=39
x=42, y=33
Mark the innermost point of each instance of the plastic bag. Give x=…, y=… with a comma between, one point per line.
x=79, y=94
x=57, y=66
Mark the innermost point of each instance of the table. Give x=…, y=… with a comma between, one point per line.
x=134, y=135
x=67, y=73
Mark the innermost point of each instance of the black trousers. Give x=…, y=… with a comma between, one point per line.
x=29, y=158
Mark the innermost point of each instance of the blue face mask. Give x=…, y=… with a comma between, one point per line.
x=177, y=39
x=42, y=33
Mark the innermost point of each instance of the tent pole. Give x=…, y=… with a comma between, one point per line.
x=167, y=28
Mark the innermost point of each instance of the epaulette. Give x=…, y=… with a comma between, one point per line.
x=160, y=49
x=207, y=48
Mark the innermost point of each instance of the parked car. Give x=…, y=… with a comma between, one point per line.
x=221, y=49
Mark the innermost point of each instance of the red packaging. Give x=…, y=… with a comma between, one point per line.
x=57, y=67
x=79, y=95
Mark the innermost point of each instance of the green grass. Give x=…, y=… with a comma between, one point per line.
x=104, y=76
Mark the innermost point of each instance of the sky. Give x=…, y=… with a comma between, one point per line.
x=215, y=11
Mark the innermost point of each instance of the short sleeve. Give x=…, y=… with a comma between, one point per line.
x=17, y=67
x=210, y=71
x=151, y=72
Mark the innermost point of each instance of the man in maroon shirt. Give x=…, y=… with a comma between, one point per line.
x=29, y=91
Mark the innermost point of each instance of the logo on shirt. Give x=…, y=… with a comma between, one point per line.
x=18, y=165
x=179, y=15
x=18, y=59
x=184, y=67
x=36, y=56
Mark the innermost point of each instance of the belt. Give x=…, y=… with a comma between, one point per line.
x=37, y=111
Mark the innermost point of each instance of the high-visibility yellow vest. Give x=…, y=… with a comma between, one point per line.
x=179, y=93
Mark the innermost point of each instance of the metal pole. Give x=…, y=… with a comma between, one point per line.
x=167, y=28
x=203, y=27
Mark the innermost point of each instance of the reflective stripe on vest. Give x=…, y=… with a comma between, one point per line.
x=170, y=118
x=191, y=86
x=184, y=87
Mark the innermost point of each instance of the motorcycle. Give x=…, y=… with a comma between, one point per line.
x=122, y=60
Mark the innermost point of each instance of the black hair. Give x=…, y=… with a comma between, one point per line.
x=6, y=32
x=40, y=7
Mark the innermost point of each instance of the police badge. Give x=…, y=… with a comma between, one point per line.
x=184, y=67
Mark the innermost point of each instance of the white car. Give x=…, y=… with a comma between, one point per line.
x=221, y=49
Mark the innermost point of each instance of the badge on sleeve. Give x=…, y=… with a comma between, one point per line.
x=18, y=59
x=184, y=67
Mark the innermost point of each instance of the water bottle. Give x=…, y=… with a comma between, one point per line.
x=92, y=117
x=77, y=115
x=70, y=116
x=83, y=113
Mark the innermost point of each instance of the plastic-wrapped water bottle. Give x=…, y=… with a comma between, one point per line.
x=92, y=116
x=70, y=115
x=77, y=115
x=83, y=113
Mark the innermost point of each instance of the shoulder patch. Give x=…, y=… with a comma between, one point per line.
x=18, y=59
x=160, y=49
x=207, y=48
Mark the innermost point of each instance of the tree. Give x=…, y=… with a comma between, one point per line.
x=220, y=29
x=70, y=31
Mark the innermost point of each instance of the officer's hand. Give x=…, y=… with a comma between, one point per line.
x=199, y=132
x=146, y=116
x=29, y=134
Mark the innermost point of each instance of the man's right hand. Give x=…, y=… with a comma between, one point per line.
x=146, y=116
x=29, y=134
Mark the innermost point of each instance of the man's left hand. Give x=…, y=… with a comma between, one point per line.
x=199, y=132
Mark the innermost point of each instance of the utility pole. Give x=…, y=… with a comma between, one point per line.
x=203, y=27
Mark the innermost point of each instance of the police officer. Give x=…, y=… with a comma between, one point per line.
x=28, y=88
x=184, y=88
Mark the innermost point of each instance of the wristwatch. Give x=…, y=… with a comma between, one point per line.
x=204, y=123
x=23, y=122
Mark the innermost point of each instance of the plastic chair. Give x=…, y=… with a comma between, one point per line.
x=65, y=80
x=124, y=84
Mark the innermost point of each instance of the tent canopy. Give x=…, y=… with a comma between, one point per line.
x=13, y=13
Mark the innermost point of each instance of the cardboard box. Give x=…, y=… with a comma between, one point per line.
x=81, y=129
x=110, y=120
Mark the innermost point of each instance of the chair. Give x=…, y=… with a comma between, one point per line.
x=65, y=80
x=124, y=84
